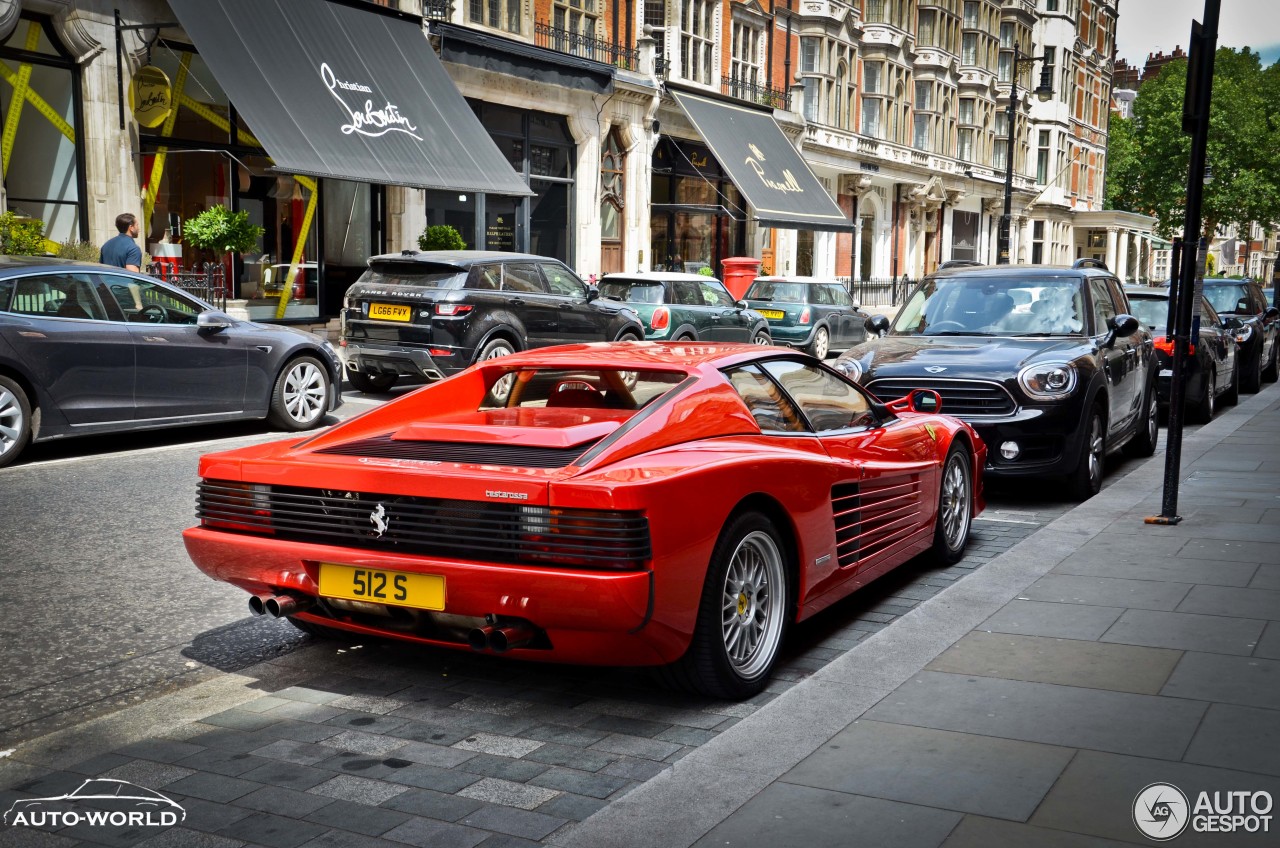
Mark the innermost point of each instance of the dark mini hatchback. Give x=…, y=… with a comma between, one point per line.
x=814, y=314
x=1243, y=304
x=686, y=307
x=1047, y=363
x=426, y=315
x=1212, y=369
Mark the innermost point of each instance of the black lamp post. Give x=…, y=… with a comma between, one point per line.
x=1044, y=91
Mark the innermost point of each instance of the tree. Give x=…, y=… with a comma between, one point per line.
x=441, y=237
x=1124, y=166
x=1244, y=134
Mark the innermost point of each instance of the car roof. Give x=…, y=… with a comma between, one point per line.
x=1146, y=291
x=458, y=258
x=656, y=275
x=802, y=280
x=1000, y=271
x=13, y=264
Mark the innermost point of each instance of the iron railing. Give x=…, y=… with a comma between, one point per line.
x=878, y=291
x=207, y=281
x=763, y=94
x=436, y=10
x=586, y=46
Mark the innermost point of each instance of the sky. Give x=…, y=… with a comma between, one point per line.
x=1149, y=26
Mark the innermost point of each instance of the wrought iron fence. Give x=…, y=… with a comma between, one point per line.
x=206, y=281
x=586, y=46
x=879, y=291
x=763, y=94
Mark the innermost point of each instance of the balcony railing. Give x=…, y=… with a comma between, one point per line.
x=586, y=46
x=756, y=93
x=436, y=10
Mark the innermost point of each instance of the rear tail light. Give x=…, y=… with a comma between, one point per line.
x=230, y=505
x=452, y=310
x=1165, y=346
x=661, y=318
x=585, y=538
x=804, y=315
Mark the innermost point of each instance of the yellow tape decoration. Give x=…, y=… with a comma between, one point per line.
x=41, y=105
x=298, y=249
x=20, y=89
x=157, y=166
x=203, y=110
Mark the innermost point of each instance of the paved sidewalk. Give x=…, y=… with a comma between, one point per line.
x=1029, y=704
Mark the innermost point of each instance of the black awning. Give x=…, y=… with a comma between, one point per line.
x=769, y=172
x=490, y=52
x=337, y=91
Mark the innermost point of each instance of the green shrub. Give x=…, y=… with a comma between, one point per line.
x=21, y=236
x=441, y=237
x=706, y=271
x=80, y=251
x=222, y=231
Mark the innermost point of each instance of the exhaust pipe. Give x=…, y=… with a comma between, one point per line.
x=258, y=604
x=279, y=606
x=512, y=636
x=479, y=638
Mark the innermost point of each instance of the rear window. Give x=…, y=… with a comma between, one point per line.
x=777, y=292
x=1151, y=311
x=582, y=388
x=632, y=291
x=425, y=274
x=1228, y=298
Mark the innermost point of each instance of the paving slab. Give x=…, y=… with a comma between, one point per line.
x=1213, y=634
x=1143, y=725
x=1268, y=576
x=1230, y=550
x=1242, y=738
x=1070, y=662
x=1249, y=681
x=1096, y=793
x=1178, y=569
x=1107, y=591
x=784, y=814
x=979, y=832
x=1041, y=618
x=1269, y=644
x=938, y=768
x=1243, y=603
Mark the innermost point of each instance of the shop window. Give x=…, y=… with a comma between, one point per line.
x=39, y=98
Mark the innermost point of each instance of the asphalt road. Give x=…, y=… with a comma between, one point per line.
x=101, y=608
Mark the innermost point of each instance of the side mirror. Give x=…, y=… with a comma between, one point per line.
x=1120, y=325
x=593, y=293
x=1271, y=314
x=877, y=324
x=741, y=304
x=920, y=400
x=213, y=321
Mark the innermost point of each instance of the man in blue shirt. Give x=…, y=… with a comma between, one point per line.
x=122, y=252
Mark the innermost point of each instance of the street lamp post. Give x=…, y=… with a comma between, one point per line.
x=1044, y=91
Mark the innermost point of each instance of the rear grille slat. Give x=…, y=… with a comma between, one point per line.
x=960, y=398
x=495, y=532
x=518, y=456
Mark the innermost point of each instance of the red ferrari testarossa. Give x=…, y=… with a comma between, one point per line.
x=630, y=503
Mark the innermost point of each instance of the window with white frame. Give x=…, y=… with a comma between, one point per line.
x=744, y=61
x=1037, y=242
x=965, y=144
x=577, y=17
x=1043, y=157
x=498, y=14
x=697, y=40
x=969, y=48
x=1000, y=150
x=809, y=57
x=971, y=14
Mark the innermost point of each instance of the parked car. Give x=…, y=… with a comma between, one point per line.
x=88, y=349
x=810, y=313
x=1212, y=370
x=426, y=315
x=686, y=307
x=539, y=505
x=1045, y=362
x=1257, y=324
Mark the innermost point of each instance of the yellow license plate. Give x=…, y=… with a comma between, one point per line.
x=390, y=312
x=775, y=314
x=399, y=588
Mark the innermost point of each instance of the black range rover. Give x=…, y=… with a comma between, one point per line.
x=426, y=315
x=1045, y=362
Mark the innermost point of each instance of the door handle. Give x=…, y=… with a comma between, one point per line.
x=516, y=302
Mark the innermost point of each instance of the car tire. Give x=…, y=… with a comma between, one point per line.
x=1148, y=435
x=1086, y=480
x=732, y=656
x=1202, y=412
x=628, y=336
x=371, y=383
x=300, y=398
x=15, y=421
x=762, y=337
x=1272, y=372
x=1232, y=395
x=493, y=349
x=1251, y=374
x=820, y=347
x=955, y=507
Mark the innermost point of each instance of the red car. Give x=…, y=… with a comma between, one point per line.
x=631, y=503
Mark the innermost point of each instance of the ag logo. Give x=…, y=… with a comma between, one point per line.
x=1161, y=811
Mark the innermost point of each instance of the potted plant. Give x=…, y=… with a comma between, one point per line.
x=21, y=236
x=222, y=231
x=441, y=237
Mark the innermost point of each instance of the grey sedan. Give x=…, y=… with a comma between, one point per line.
x=88, y=349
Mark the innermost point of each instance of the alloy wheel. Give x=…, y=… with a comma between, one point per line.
x=751, y=612
x=1096, y=447
x=304, y=392
x=955, y=507
x=12, y=423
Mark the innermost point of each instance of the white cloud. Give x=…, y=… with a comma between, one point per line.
x=1150, y=26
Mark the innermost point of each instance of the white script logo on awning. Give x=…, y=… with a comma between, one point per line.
x=367, y=120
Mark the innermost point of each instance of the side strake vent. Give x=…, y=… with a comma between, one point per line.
x=518, y=456
x=873, y=516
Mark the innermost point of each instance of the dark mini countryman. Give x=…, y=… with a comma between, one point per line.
x=1045, y=362
x=426, y=315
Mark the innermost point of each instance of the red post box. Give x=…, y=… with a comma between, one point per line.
x=739, y=272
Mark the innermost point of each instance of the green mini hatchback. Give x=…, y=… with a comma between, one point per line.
x=686, y=307
x=810, y=313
